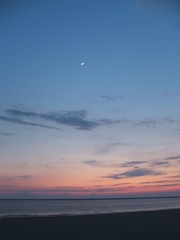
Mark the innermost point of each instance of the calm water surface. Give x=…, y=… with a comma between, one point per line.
x=80, y=207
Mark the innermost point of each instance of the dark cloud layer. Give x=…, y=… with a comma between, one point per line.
x=77, y=119
x=71, y=118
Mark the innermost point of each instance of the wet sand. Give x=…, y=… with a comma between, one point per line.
x=152, y=225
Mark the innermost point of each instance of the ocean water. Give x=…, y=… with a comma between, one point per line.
x=21, y=208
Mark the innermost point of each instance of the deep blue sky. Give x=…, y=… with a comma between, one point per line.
x=67, y=125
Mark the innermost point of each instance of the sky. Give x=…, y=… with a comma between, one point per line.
x=90, y=94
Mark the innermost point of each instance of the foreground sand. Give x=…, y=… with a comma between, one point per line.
x=155, y=225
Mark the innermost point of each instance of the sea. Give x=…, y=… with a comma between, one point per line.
x=55, y=207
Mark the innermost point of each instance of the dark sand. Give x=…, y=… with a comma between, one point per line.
x=154, y=225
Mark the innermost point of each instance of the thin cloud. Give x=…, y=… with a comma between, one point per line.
x=116, y=110
x=132, y=163
x=178, y=129
x=120, y=184
x=108, y=147
x=170, y=120
x=147, y=123
x=110, y=98
x=5, y=187
x=173, y=158
x=71, y=118
x=77, y=119
x=47, y=166
x=133, y=173
x=161, y=181
x=162, y=185
x=94, y=163
x=25, y=177
x=112, y=121
x=64, y=192
x=174, y=93
x=9, y=179
x=160, y=163
x=175, y=176
x=26, y=123
x=7, y=134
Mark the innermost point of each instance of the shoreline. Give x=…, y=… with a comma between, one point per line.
x=83, y=214
x=149, y=225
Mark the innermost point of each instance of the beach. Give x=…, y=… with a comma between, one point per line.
x=147, y=225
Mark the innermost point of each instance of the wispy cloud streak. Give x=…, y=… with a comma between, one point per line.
x=94, y=163
x=132, y=163
x=77, y=119
x=6, y=134
x=147, y=123
x=133, y=173
x=173, y=158
x=26, y=123
x=71, y=118
x=110, y=98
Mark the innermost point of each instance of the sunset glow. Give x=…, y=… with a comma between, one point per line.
x=107, y=126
